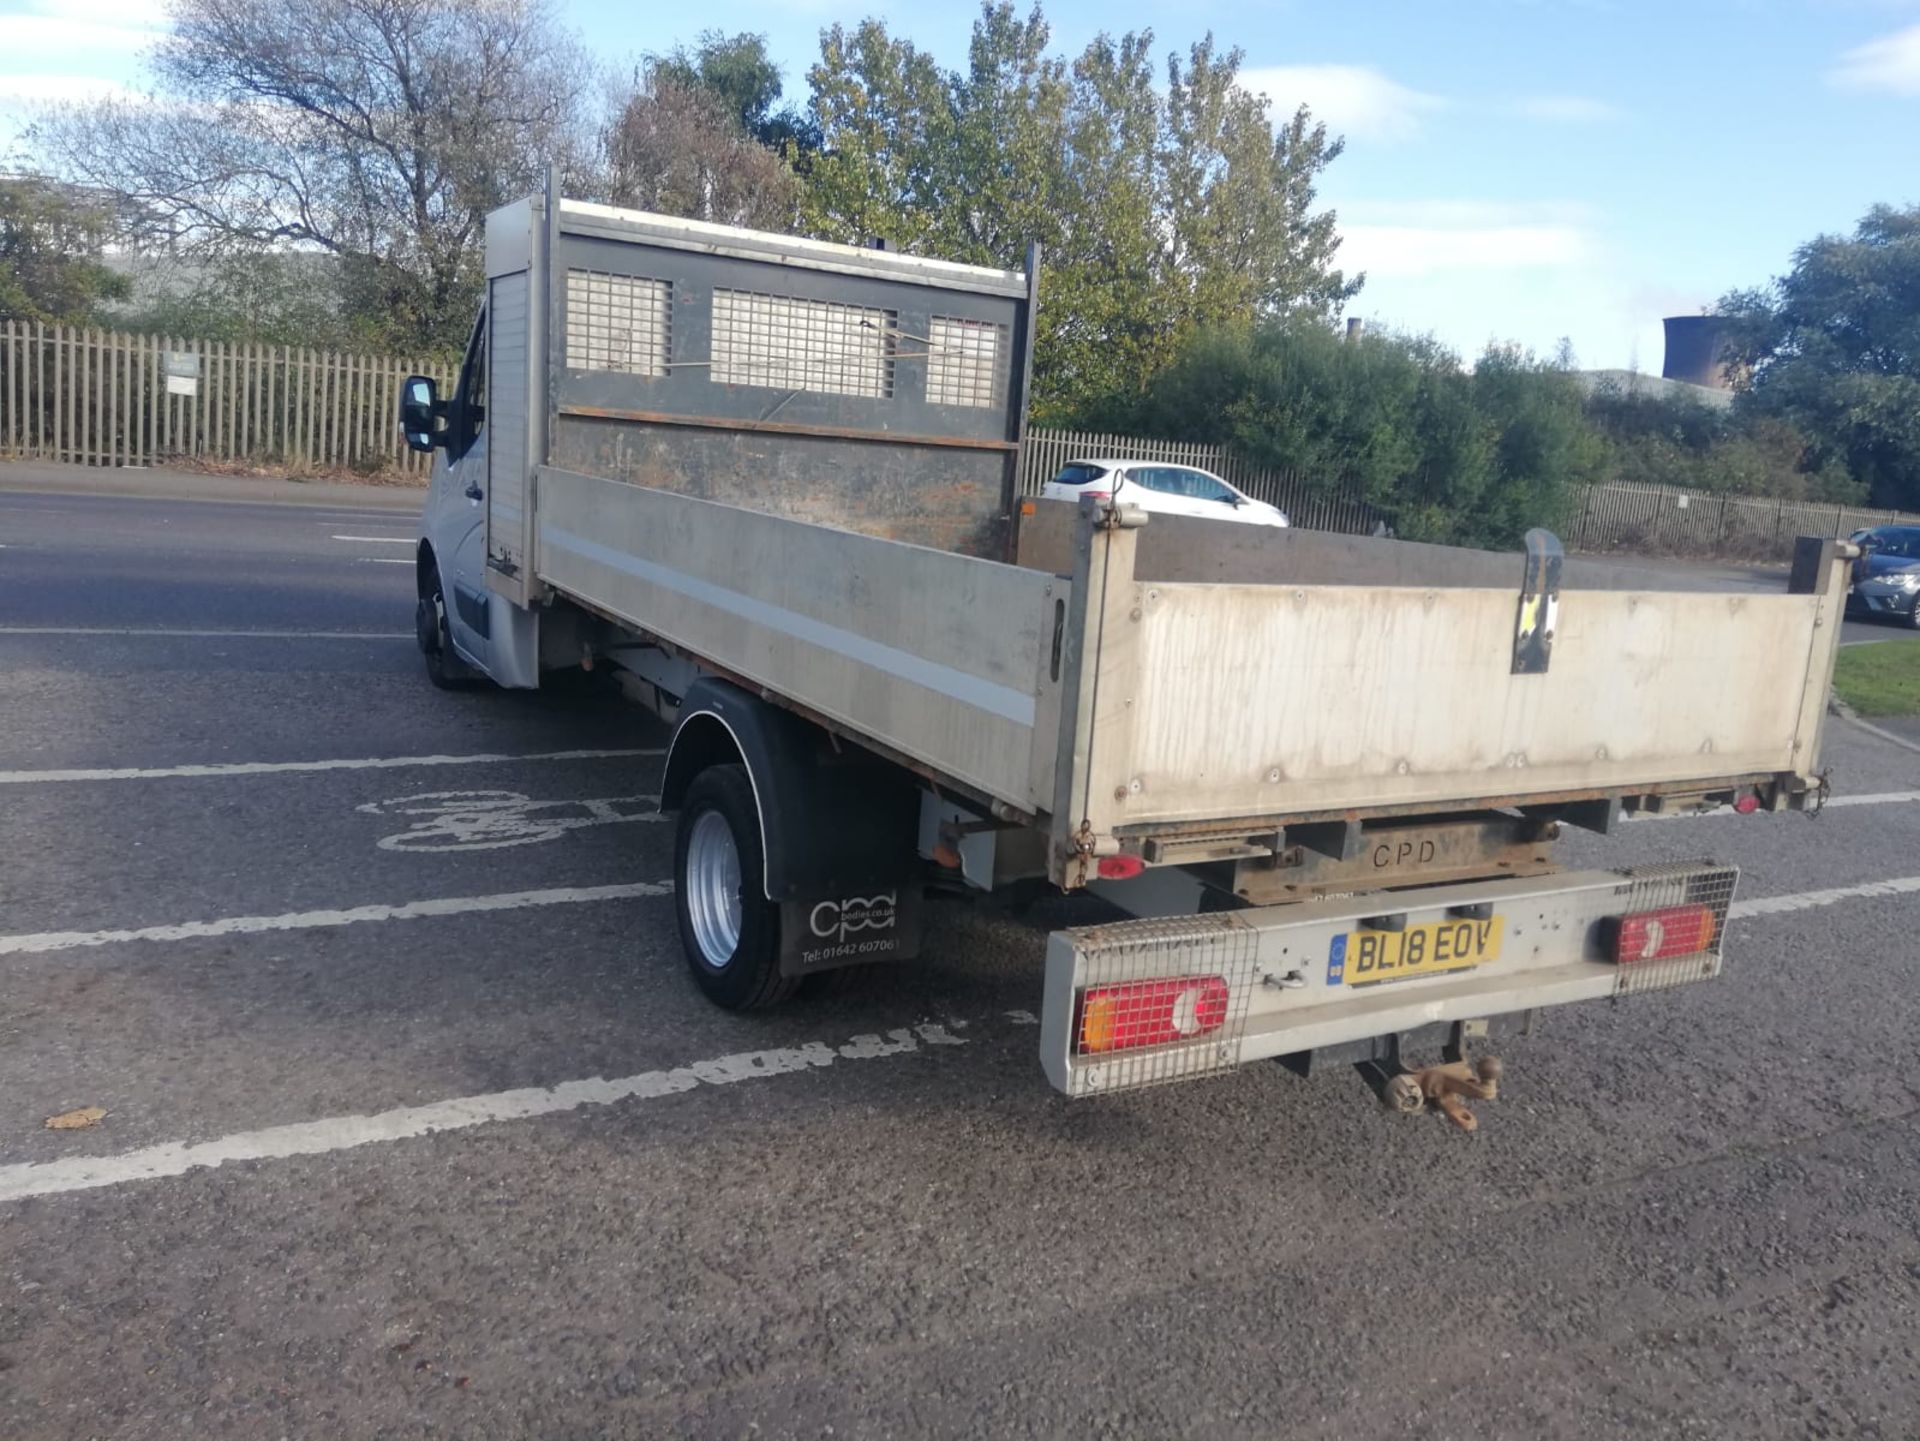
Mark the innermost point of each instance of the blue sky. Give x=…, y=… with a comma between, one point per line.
x=1514, y=170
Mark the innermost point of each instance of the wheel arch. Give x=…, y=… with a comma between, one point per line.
x=833, y=818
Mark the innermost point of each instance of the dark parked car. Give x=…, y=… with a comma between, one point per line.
x=1886, y=578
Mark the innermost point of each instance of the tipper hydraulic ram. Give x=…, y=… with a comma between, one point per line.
x=774, y=481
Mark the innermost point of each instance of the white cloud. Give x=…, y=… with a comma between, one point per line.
x=1354, y=100
x=1407, y=250
x=44, y=33
x=150, y=14
x=1431, y=237
x=30, y=90
x=1565, y=109
x=1891, y=63
x=51, y=27
x=1465, y=214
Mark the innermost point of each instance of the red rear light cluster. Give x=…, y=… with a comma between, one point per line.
x=1149, y=1013
x=1120, y=868
x=1656, y=935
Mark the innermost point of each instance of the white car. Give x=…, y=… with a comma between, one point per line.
x=1160, y=489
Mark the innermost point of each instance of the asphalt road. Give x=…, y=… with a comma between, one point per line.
x=488, y=1167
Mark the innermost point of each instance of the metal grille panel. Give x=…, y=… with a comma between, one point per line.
x=618, y=322
x=1161, y=967
x=792, y=344
x=966, y=362
x=1653, y=888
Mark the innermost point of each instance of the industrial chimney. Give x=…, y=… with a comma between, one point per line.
x=1697, y=351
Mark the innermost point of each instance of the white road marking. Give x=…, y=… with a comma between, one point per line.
x=382, y=560
x=264, y=768
x=207, y=634
x=341, y=1133
x=379, y=539
x=47, y=941
x=1882, y=733
x=1810, y=900
x=1883, y=798
x=492, y=820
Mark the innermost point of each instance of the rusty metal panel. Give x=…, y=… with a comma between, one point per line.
x=868, y=391
x=1401, y=854
x=948, y=498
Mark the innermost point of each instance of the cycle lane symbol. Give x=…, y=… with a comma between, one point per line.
x=491, y=820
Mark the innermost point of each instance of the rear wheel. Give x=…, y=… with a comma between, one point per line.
x=444, y=668
x=728, y=929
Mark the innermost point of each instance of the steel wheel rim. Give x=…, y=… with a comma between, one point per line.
x=713, y=888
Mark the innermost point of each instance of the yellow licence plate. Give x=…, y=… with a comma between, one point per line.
x=1360, y=958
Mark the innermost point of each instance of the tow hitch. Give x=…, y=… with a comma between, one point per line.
x=1448, y=1086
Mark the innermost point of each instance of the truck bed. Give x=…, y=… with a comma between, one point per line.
x=1081, y=690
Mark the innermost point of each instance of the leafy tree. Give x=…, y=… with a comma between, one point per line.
x=51, y=242
x=1834, y=350
x=1676, y=441
x=1447, y=454
x=262, y=297
x=378, y=131
x=886, y=128
x=739, y=74
x=1158, y=213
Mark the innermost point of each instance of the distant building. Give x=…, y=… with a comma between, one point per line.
x=1654, y=387
x=1697, y=351
x=1696, y=368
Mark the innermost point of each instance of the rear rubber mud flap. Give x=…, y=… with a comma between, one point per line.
x=853, y=930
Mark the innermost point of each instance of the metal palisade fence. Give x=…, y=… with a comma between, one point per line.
x=1651, y=519
x=104, y=397
x=1307, y=504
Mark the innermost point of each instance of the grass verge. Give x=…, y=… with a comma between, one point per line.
x=1880, y=678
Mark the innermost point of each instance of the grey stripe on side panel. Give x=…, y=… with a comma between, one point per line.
x=989, y=696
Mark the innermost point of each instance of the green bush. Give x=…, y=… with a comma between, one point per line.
x=1673, y=440
x=1444, y=453
x=1447, y=453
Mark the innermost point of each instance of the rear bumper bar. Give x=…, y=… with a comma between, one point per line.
x=1286, y=993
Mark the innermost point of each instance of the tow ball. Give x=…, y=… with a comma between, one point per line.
x=1448, y=1086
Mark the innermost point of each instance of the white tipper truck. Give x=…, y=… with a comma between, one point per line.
x=775, y=480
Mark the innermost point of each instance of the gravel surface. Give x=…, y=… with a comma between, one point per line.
x=1689, y=1215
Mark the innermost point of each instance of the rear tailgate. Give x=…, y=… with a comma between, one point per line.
x=1204, y=707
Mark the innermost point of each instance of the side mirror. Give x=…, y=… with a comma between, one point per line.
x=420, y=412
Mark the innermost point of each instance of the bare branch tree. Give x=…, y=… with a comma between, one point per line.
x=379, y=130
x=678, y=148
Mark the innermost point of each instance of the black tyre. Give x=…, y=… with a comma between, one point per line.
x=729, y=930
x=444, y=668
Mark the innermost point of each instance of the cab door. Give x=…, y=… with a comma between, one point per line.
x=462, y=543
